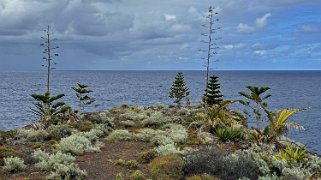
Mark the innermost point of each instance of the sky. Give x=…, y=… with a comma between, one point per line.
x=161, y=35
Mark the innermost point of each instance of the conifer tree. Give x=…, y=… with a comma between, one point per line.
x=179, y=90
x=212, y=92
x=82, y=95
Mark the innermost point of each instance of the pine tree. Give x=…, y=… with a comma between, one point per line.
x=212, y=92
x=179, y=90
x=82, y=95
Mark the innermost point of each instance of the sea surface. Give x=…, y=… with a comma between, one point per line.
x=289, y=89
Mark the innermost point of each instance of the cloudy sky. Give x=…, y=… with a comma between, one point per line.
x=161, y=35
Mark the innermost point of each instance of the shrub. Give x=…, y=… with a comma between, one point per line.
x=202, y=177
x=166, y=167
x=120, y=135
x=119, y=176
x=212, y=161
x=14, y=164
x=85, y=126
x=131, y=164
x=228, y=134
x=137, y=175
x=78, y=144
x=178, y=133
x=32, y=135
x=205, y=137
x=70, y=171
x=291, y=154
x=57, y=132
x=158, y=119
x=167, y=149
x=7, y=152
x=147, y=156
x=61, y=165
x=128, y=123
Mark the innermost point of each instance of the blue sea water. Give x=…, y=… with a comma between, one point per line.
x=112, y=88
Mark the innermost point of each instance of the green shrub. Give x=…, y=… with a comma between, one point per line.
x=147, y=156
x=131, y=164
x=119, y=176
x=86, y=126
x=202, y=177
x=291, y=154
x=137, y=175
x=166, y=167
x=8, y=152
x=61, y=165
x=167, y=149
x=178, y=133
x=120, y=135
x=78, y=144
x=56, y=132
x=32, y=135
x=128, y=123
x=213, y=161
x=14, y=164
x=228, y=134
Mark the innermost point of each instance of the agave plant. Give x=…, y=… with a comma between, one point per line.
x=291, y=154
x=219, y=115
x=228, y=134
x=49, y=111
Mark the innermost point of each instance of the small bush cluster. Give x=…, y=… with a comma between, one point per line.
x=8, y=152
x=32, y=135
x=166, y=167
x=120, y=135
x=14, y=164
x=137, y=175
x=86, y=126
x=56, y=132
x=61, y=165
x=202, y=177
x=167, y=149
x=228, y=134
x=147, y=156
x=131, y=164
x=81, y=142
x=212, y=161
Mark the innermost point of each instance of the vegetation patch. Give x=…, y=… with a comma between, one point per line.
x=166, y=167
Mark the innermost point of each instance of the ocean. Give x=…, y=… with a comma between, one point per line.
x=289, y=89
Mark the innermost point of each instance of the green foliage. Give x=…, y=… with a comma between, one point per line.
x=56, y=132
x=228, y=134
x=178, y=91
x=137, y=175
x=292, y=154
x=120, y=135
x=277, y=120
x=212, y=92
x=86, y=126
x=220, y=116
x=167, y=149
x=61, y=165
x=82, y=93
x=147, y=156
x=79, y=143
x=48, y=111
x=131, y=164
x=166, y=167
x=119, y=176
x=32, y=135
x=14, y=164
x=8, y=152
x=202, y=177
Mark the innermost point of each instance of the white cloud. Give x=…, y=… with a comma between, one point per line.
x=260, y=23
x=244, y=28
x=260, y=52
x=233, y=46
x=257, y=46
x=170, y=17
x=309, y=29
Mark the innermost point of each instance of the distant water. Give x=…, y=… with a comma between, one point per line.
x=112, y=88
